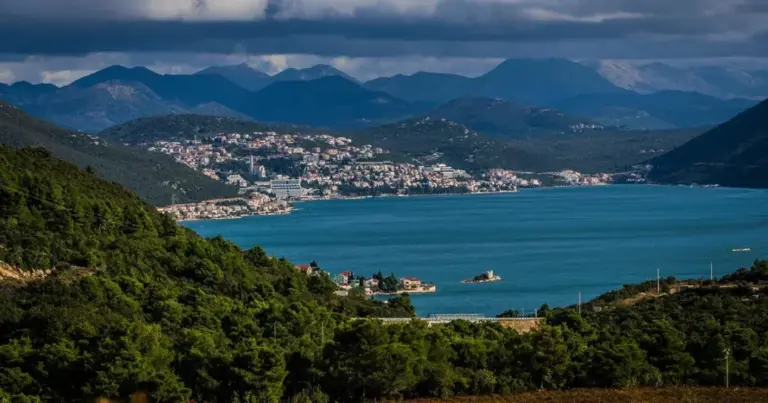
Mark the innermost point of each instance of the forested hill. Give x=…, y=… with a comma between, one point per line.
x=155, y=177
x=732, y=154
x=135, y=302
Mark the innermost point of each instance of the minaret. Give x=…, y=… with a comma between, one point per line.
x=251, y=166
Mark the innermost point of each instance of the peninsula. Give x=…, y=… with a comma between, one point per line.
x=486, y=277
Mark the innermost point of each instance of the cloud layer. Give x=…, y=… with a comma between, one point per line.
x=379, y=28
x=60, y=40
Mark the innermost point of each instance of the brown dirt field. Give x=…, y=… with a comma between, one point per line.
x=646, y=395
x=523, y=326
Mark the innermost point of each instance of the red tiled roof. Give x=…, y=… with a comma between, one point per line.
x=303, y=267
x=411, y=279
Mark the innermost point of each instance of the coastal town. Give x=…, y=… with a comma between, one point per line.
x=273, y=170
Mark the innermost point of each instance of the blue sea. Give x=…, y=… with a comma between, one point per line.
x=546, y=244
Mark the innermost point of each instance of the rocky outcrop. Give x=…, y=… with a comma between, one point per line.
x=8, y=272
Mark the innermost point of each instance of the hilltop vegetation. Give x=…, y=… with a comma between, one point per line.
x=177, y=127
x=137, y=303
x=155, y=177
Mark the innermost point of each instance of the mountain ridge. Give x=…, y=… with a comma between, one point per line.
x=240, y=74
x=571, y=87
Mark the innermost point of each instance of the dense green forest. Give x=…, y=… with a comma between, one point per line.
x=137, y=303
x=155, y=177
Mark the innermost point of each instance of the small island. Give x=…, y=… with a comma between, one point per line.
x=486, y=277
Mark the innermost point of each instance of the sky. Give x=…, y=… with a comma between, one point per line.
x=60, y=40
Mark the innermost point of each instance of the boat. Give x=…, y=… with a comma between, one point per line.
x=741, y=250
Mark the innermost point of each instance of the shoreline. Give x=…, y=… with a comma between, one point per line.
x=393, y=196
x=289, y=211
x=403, y=292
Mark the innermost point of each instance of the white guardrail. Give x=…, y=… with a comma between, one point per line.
x=446, y=319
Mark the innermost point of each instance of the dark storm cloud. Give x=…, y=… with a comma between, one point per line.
x=606, y=28
x=754, y=6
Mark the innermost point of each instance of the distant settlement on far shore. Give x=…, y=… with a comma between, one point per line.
x=332, y=167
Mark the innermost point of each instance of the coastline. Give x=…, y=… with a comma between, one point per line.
x=392, y=196
x=403, y=292
x=286, y=212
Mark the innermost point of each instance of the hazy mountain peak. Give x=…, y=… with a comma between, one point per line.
x=241, y=74
x=116, y=72
x=310, y=73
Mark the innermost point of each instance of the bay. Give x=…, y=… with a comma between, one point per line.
x=547, y=244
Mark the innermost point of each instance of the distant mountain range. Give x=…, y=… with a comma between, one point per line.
x=732, y=154
x=572, y=88
x=254, y=80
x=527, y=81
x=326, y=97
x=155, y=177
x=119, y=94
x=331, y=101
x=715, y=81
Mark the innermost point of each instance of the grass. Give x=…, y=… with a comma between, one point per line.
x=644, y=395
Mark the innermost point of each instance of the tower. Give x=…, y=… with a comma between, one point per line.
x=251, y=171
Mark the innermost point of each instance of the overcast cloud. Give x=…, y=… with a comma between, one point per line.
x=357, y=32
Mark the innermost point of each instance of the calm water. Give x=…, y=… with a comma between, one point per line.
x=546, y=244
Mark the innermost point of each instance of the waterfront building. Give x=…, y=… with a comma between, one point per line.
x=410, y=283
x=286, y=188
x=305, y=268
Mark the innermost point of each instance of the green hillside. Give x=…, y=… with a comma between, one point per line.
x=732, y=154
x=137, y=303
x=155, y=177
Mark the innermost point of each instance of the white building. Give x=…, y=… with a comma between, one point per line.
x=236, y=180
x=286, y=188
x=410, y=283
